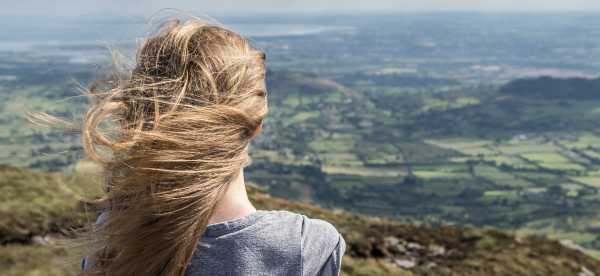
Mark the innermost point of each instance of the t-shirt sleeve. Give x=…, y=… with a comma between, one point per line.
x=322, y=248
x=333, y=265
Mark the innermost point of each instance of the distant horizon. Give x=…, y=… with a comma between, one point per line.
x=304, y=13
x=258, y=7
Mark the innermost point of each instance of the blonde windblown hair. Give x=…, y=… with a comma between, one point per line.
x=182, y=122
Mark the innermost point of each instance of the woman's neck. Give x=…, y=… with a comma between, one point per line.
x=234, y=203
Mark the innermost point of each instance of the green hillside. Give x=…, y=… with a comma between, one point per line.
x=40, y=212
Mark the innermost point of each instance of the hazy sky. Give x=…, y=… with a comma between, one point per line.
x=147, y=7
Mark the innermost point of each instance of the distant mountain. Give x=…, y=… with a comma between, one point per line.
x=554, y=88
x=283, y=84
x=37, y=209
x=395, y=80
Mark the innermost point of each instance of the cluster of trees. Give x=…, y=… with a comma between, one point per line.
x=554, y=88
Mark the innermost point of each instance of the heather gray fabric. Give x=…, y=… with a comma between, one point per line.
x=267, y=243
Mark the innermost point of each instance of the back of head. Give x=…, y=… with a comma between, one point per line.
x=182, y=121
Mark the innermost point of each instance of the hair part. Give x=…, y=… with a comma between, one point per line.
x=182, y=120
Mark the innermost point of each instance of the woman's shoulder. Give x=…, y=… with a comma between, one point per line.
x=311, y=228
x=322, y=245
x=318, y=228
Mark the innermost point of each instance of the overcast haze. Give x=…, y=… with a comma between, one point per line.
x=73, y=7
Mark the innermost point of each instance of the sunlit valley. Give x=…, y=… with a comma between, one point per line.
x=470, y=120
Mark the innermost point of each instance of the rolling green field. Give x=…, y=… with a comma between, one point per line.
x=469, y=156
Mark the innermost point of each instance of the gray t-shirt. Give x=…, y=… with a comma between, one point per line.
x=273, y=242
x=269, y=243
